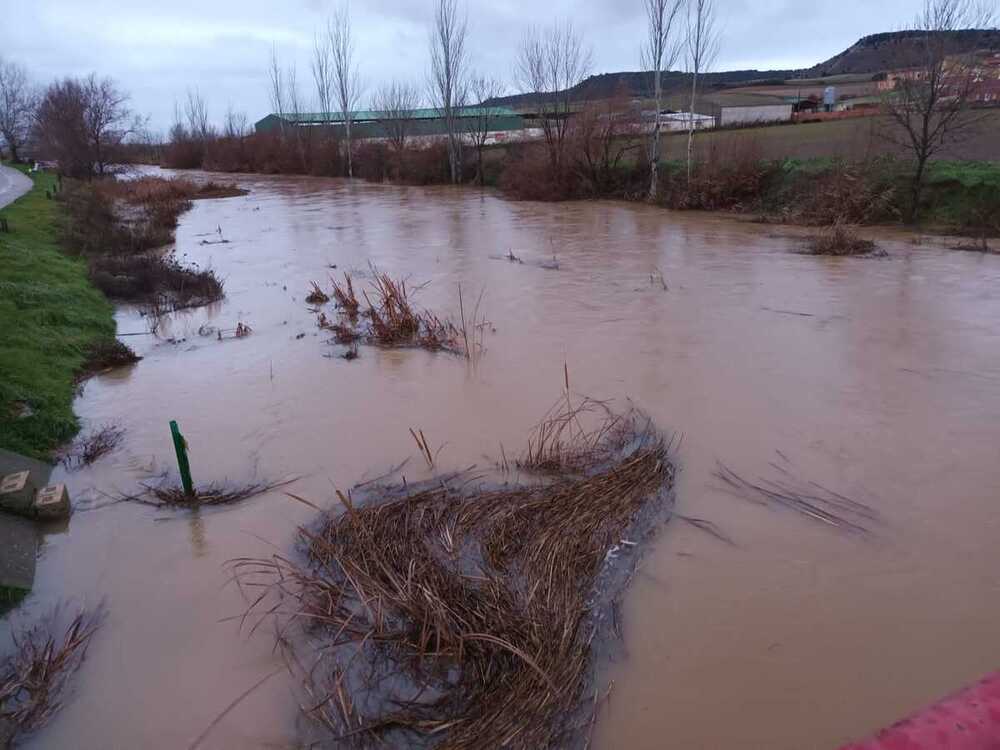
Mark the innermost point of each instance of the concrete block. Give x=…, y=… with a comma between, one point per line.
x=52, y=502
x=17, y=493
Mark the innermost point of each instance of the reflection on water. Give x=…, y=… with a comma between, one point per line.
x=879, y=379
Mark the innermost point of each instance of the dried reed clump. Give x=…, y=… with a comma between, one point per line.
x=389, y=318
x=344, y=296
x=841, y=240
x=452, y=614
x=93, y=446
x=317, y=296
x=173, y=496
x=34, y=676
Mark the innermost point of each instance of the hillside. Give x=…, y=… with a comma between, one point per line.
x=869, y=55
x=898, y=49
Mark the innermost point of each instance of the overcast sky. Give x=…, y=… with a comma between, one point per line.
x=156, y=49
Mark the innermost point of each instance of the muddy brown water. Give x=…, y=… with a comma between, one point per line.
x=885, y=386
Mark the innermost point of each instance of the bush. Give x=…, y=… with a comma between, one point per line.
x=831, y=192
x=840, y=240
x=152, y=278
x=528, y=175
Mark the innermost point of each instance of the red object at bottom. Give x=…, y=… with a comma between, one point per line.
x=967, y=720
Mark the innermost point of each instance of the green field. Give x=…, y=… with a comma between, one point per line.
x=855, y=138
x=49, y=315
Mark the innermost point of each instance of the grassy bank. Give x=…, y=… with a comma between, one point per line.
x=50, y=315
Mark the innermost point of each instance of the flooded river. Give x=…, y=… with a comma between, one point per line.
x=877, y=378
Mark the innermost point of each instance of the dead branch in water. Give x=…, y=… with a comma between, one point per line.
x=93, y=446
x=453, y=615
x=808, y=498
x=172, y=496
x=34, y=676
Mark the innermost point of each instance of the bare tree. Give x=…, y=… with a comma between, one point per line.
x=236, y=125
x=448, y=75
x=18, y=100
x=322, y=72
x=600, y=134
x=347, y=79
x=108, y=120
x=196, y=113
x=396, y=103
x=483, y=89
x=658, y=54
x=276, y=88
x=702, y=47
x=930, y=106
x=82, y=123
x=550, y=63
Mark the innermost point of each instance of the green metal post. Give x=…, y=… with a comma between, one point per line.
x=180, y=447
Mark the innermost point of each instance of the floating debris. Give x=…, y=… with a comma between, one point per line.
x=460, y=615
x=805, y=497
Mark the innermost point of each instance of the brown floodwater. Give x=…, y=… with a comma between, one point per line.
x=877, y=378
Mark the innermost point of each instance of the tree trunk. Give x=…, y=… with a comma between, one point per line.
x=350, y=157
x=13, y=150
x=654, y=155
x=690, y=145
x=479, y=159
x=916, y=189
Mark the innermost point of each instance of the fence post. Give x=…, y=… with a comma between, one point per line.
x=180, y=448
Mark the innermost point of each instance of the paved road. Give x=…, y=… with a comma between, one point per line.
x=13, y=185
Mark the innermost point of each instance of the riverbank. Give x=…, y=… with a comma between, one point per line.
x=50, y=314
x=777, y=172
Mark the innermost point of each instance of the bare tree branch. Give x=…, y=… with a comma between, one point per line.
x=18, y=99
x=658, y=54
x=448, y=75
x=550, y=63
x=347, y=78
x=702, y=44
x=931, y=105
x=483, y=89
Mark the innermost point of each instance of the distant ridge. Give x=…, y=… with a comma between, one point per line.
x=872, y=54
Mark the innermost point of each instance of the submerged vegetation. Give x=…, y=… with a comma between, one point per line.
x=389, y=318
x=34, y=676
x=118, y=224
x=173, y=496
x=461, y=615
x=841, y=240
x=93, y=446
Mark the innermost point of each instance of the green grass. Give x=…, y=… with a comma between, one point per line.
x=49, y=315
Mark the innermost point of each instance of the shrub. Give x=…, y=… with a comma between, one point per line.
x=840, y=240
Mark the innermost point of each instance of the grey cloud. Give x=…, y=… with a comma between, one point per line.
x=156, y=49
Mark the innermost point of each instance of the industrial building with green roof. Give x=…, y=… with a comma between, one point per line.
x=373, y=123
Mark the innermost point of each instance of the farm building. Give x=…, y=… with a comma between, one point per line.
x=374, y=124
x=746, y=114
